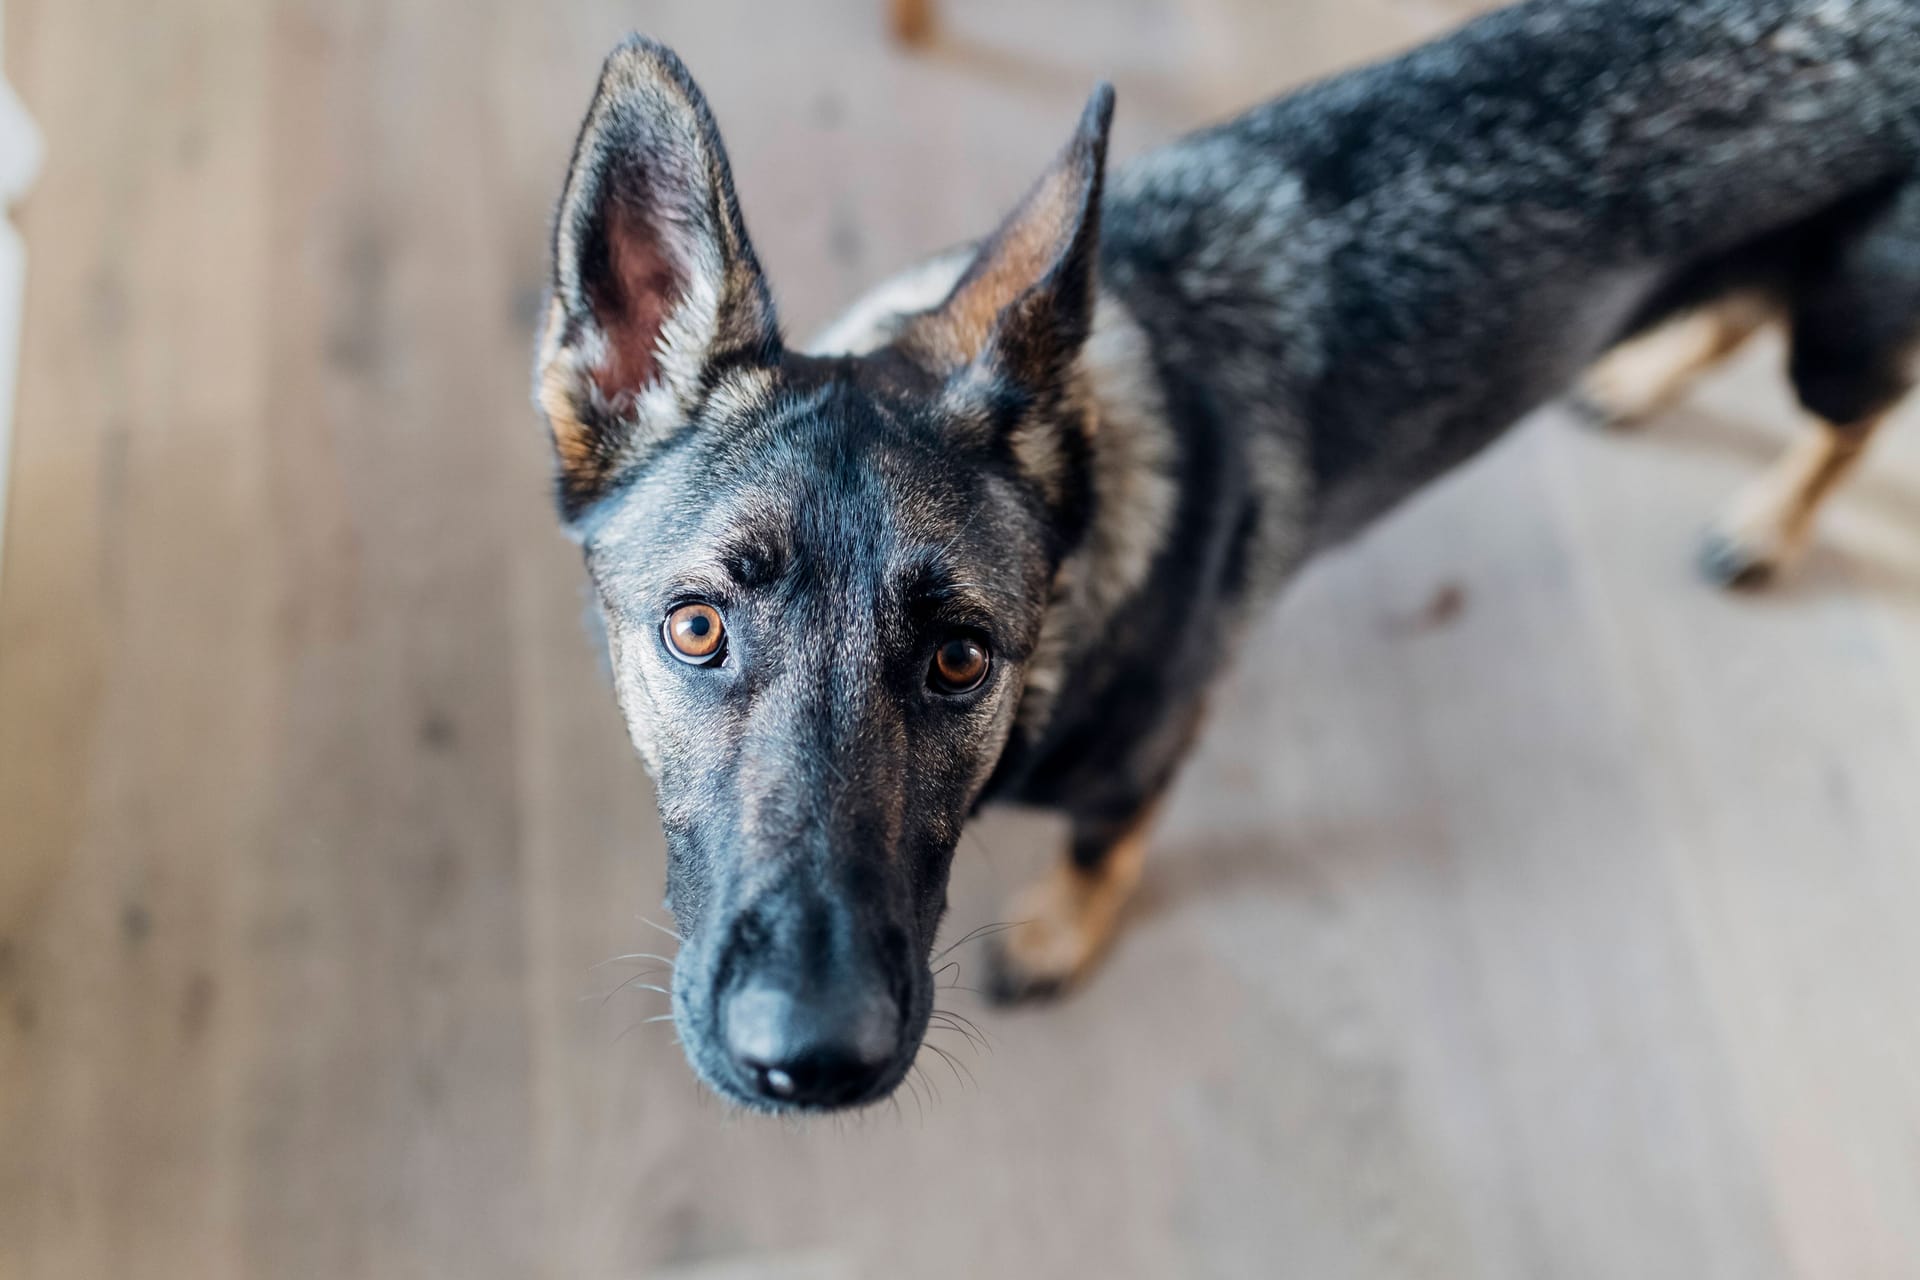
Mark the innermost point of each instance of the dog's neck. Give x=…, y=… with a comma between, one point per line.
x=1133, y=489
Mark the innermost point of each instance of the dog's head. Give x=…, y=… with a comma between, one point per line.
x=822, y=578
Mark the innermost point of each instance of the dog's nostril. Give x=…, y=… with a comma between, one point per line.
x=810, y=1052
x=821, y=1076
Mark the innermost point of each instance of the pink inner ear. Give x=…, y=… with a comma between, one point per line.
x=642, y=288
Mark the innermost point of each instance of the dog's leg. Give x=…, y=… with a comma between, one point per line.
x=1648, y=371
x=1767, y=527
x=1063, y=923
x=1854, y=317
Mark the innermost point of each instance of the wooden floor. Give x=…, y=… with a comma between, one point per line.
x=1529, y=911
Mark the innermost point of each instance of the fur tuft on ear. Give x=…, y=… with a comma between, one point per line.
x=656, y=291
x=1025, y=304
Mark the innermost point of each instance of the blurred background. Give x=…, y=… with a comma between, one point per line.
x=1528, y=909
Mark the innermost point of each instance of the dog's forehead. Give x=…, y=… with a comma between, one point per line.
x=827, y=471
x=837, y=464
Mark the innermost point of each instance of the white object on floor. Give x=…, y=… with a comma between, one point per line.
x=19, y=162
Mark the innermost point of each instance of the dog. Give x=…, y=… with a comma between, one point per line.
x=993, y=536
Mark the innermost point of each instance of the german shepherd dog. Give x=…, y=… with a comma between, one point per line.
x=994, y=535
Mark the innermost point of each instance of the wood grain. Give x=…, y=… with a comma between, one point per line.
x=1528, y=910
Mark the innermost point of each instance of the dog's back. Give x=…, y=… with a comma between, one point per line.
x=1388, y=268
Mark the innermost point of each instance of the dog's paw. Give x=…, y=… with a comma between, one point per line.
x=1061, y=925
x=1746, y=551
x=1756, y=540
x=1590, y=410
x=1728, y=560
x=1636, y=379
x=1009, y=982
x=1024, y=968
x=1625, y=388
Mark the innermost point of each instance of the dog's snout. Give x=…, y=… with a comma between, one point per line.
x=803, y=1050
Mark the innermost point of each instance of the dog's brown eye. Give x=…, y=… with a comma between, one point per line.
x=695, y=633
x=958, y=665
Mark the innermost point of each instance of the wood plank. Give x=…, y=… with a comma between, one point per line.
x=1785, y=772
x=134, y=733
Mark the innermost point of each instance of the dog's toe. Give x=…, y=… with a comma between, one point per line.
x=1728, y=560
x=1036, y=959
x=1009, y=982
x=1062, y=924
x=1592, y=411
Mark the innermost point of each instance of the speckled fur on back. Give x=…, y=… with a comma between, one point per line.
x=1386, y=269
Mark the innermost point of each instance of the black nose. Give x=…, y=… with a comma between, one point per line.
x=809, y=1051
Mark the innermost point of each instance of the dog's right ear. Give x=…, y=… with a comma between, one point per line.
x=656, y=290
x=1008, y=336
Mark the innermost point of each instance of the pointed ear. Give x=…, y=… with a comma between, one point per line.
x=1024, y=306
x=656, y=291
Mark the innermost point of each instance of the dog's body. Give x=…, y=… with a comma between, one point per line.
x=1253, y=342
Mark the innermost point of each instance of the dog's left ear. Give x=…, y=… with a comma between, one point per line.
x=656, y=289
x=1011, y=329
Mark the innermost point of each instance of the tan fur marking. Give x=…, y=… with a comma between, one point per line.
x=1134, y=500
x=1646, y=373
x=1066, y=920
x=1769, y=525
x=561, y=392
x=738, y=393
x=1017, y=258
